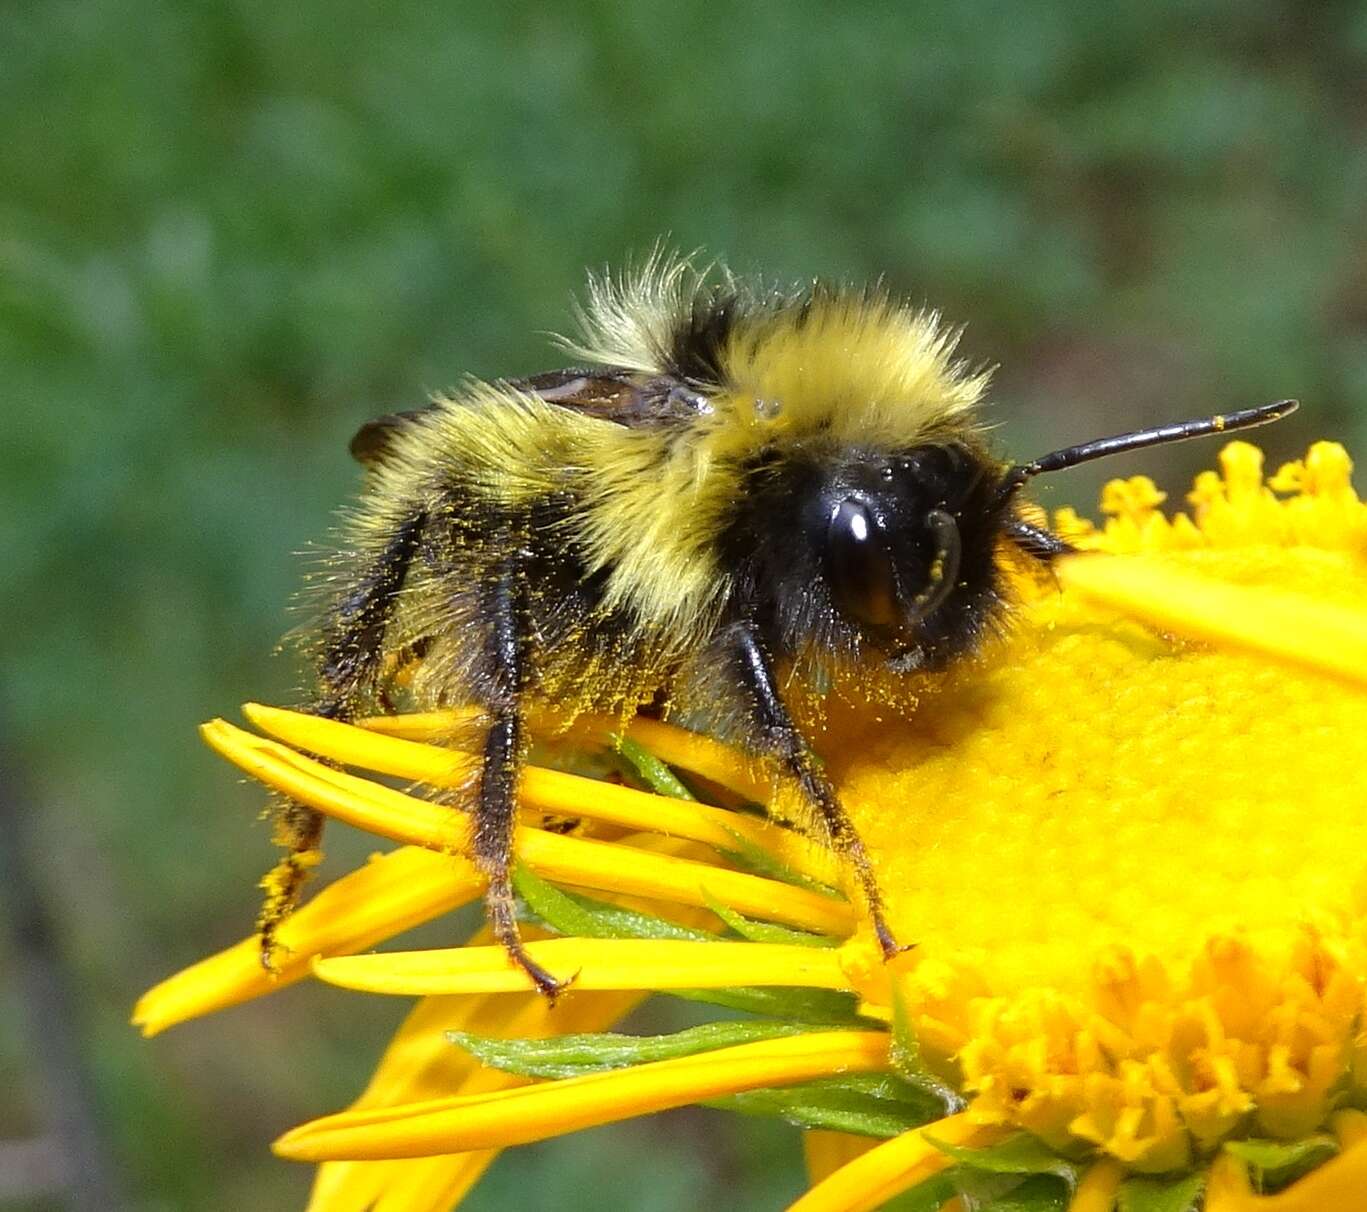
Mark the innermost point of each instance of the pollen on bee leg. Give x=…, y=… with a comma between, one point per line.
x=282, y=885
x=299, y=829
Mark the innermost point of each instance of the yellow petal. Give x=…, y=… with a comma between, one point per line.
x=420, y=1184
x=1228, y=1189
x=888, y=1169
x=1350, y=1127
x=599, y=865
x=825, y=1152
x=436, y=726
x=1291, y=627
x=564, y=860
x=528, y=1113
x=553, y=791
x=421, y=1063
x=599, y=964
x=692, y=751
x=1097, y=1190
x=390, y=894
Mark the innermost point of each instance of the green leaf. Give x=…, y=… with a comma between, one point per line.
x=983, y=1193
x=1038, y=1193
x=866, y=1104
x=768, y=932
x=828, y=1007
x=1019, y=1154
x=583, y=917
x=650, y=770
x=1276, y=1163
x=572, y=1055
x=1162, y=1194
x=905, y=1057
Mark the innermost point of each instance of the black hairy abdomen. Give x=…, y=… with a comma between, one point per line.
x=557, y=568
x=571, y=636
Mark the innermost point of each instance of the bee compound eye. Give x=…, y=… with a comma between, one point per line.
x=859, y=565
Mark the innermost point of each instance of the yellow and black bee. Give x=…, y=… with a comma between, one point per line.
x=738, y=489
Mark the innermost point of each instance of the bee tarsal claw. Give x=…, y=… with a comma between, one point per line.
x=888, y=944
x=548, y=986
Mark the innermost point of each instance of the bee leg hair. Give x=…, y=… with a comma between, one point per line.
x=505, y=747
x=779, y=737
x=351, y=655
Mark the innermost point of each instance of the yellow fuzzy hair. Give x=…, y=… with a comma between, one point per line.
x=824, y=371
x=862, y=366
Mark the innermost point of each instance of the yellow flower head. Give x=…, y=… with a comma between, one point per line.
x=1126, y=841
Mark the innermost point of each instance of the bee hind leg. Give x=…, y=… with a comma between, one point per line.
x=299, y=830
x=505, y=747
x=352, y=650
x=778, y=737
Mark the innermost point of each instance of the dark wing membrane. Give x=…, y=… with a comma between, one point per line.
x=372, y=441
x=624, y=397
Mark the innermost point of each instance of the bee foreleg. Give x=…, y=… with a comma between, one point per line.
x=505, y=748
x=1036, y=541
x=778, y=737
x=352, y=646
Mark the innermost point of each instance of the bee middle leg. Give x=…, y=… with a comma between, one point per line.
x=778, y=737
x=505, y=748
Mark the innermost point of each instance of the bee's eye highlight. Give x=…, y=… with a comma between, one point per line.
x=859, y=565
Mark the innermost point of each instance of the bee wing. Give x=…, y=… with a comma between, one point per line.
x=624, y=397
x=371, y=442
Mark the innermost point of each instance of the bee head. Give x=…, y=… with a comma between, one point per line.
x=900, y=539
x=889, y=553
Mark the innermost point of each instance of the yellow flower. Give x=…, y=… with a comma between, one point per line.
x=1127, y=841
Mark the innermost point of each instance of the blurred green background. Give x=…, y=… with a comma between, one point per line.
x=230, y=231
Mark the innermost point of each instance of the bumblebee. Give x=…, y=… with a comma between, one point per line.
x=737, y=491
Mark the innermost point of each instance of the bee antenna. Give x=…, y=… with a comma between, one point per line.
x=1139, y=439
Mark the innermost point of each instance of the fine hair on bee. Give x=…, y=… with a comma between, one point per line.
x=731, y=490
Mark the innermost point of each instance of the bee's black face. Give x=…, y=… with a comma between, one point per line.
x=892, y=552
x=890, y=540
